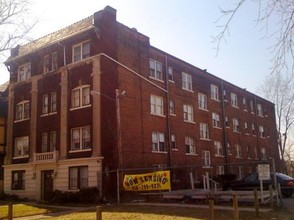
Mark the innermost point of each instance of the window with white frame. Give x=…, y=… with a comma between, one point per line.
x=259, y=110
x=21, y=146
x=22, y=110
x=220, y=170
x=234, y=100
x=190, y=145
x=78, y=177
x=80, y=138
x=236, y=127
x=53, y=102
x=227, y=121
x=214, y=92
x=206, y=158
x=24, y=72
x=158, y=144
x=172, y=107
x=46, y=64
x=186, y=81
x=156, y=105
x=202, y=101
x=170, y=73
x=54, y=61
x=229, y=151
x=48, y=141
x=80, y=51
x=218, y=148
x=248, y=151
x=188, y=113
x=263, y=153
x=80, y=96
x=173, y=142
x=246, y=128
x=261, y=132
x=18, y=180
x=215, y=120
x=45, y=104
x=253, y=129
x=238, y=151
x=204, y=131
x=251, y=106
x=155, y=69
x=225, y=95
x=244, y=104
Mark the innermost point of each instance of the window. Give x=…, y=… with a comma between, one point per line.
x=215, y=120
x=220, y=170
x=206, y=158
x=158, y=142
x=253, y=129
x=80, y=138
x=259, y=110
x=54, y=63
x=45, y=104
x=238, y=151
x=78, y=177
x=248, y=151
x=214, y=92
x=156, y=105
x=81, y=51
x=246, y=128
x=190, y=145
x=225, y=95
x=186, y=81
x=229, y=151
x=188, y=113
x=80, y=97
x=18, y=180
x=244, y=104
x=21, y=147
x=46, y=63
x=202, y=101
x=204, y=132
x=173, y=142
x=170, y=73
x=53, y=103
x=261, y=132
x=240, y=172
x=22, y=110
x=251, y=106
x=234, y=100
x=24, y=72
x=218, y=148
x=236, y=127
x=172, y=108
x=155, y=69
x=51, y=146
x=227, y=121
x=263, y=153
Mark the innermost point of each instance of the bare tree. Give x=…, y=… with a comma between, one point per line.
x=279, y=88
x=277, y=20
x=15, y=22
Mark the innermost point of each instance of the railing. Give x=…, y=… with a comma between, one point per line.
x=46, y=156
x=207, y=182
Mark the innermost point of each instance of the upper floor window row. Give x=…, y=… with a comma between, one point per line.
x=50, y=66
x=24, y=72
x=80, y=51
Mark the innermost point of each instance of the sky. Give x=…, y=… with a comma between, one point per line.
x=182, y=28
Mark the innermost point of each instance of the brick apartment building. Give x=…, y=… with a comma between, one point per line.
x=96, y=96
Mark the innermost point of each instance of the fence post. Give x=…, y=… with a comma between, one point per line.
x=10, y=211
x=98, y=213
x=256, y=203
x=271, y=196
x=211, y=209
x=235, y=205
x=117, y=185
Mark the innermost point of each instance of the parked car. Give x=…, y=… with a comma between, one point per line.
x=251, y=181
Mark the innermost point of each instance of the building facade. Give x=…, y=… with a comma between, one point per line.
x=95, y=97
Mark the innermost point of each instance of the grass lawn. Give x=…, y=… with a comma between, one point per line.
x=133, y=212
x=20, y=210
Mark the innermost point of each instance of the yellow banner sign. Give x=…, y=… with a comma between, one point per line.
x=159, y=180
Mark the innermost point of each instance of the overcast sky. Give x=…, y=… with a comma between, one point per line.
x=183, y=28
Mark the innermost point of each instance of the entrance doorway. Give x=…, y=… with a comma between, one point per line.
x=46, y=184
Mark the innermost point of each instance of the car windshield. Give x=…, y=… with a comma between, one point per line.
x=283, y=176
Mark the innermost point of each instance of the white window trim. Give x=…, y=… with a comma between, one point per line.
x=156, y=102
x=187, y=82
x=214, y=92
x=202, y=102
x=191, y=142
x=189, y=110
x=15, y=143
x=80, y=139
x=234, y=100
x=23, y=104
x=160, y=138
x=81, y=48
x=80, y=88
x=160, y=79
x=27, y=74
x=204, y=131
